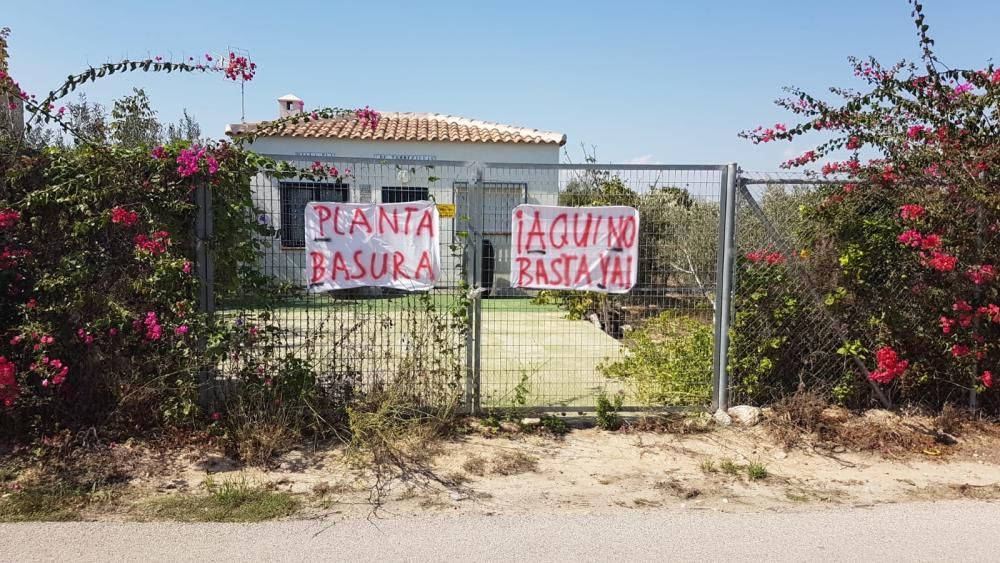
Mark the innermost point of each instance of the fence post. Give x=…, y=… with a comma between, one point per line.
x=724, y=286
x=203, y=229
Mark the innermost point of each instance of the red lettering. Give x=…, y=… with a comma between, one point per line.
x=383, y=219
x=617, y=275
x=568, y=263
x=628, y=272
x=318, y=266
x=425, y=262
x=536, y=231
x=360, y=266
x=398, y=258
x=409, y=214
x=426, y=222
x=583, y=271
x=540, y=273
x=523, y=275
x=557, y=278
x=604, y=269
x=581, y=241
x=360, y=219
x=554, y=228
x=597, y=229
x=323, y=213
x=339, y=265
x=519, y=215
x=385, y=266
x=624, y=234
x=336, y=221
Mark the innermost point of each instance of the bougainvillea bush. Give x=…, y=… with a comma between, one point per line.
x=98, y=271
x=100, y=322
x=904, y=249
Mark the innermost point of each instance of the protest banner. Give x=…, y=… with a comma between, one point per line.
x=581, y=248
x=366, y=244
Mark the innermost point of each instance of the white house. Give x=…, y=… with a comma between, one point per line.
x=407, y=157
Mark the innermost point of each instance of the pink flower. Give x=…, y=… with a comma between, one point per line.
x=158, y=153
x=987, y=379
x=853, y=143
x=112, y=331
x=914, y=131
x=333, y=171
x=981, y=274
x=181, y=330
x=187, y=161
x=46, y=340
x=9, y=218
x=124, y=216
x=947, y=325
x=942, y=262
x=889, y=366
x=153, y=329
x=931, y=242
x=156, y=245
x=16, y=340
x=213, y=165
x=216, y=416
x=911, y=212
x=963, y=88
x=959, y=350
x=368, y=117
x=186, y=268
x=911, y=237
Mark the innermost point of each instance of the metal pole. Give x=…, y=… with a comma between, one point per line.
x=206, y=276
x=724, y=286
x=477, y=200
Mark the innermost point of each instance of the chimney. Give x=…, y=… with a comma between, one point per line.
x=289, y=104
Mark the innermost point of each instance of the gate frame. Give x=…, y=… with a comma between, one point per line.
x=473, y=276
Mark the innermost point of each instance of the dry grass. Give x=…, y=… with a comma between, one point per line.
x=806, y=419
x=505, y=463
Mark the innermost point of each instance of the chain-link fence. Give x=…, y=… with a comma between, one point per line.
x=475, y=336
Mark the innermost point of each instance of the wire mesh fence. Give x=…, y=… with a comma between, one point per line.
x=561, y=349
x=475, y=337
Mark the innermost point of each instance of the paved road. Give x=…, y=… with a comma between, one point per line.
x=954, y=531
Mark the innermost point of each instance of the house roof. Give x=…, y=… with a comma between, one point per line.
x=399, y=126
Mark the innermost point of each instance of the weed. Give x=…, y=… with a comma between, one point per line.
x=756, y=471
x=729, y=467
x=950, y=419
x=607, y=411
x=514, y=463
x=504, y=463
x=475, y=465
x=554, y=425
x=49, y=503
x=230, y=501
x=707, y=466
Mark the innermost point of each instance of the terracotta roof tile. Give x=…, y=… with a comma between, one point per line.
x=396, y=126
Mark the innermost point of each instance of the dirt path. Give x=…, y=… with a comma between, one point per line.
x=595, y=472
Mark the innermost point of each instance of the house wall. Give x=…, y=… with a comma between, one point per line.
x=444, y=183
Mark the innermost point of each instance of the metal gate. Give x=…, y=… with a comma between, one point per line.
x=474, y=336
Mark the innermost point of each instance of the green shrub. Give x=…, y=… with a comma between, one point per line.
x=607, y=411
x=669, y=361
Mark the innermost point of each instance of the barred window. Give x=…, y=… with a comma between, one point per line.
x=294, y=197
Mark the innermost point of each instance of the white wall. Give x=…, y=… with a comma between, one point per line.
x=466, y=152
x=367, y=180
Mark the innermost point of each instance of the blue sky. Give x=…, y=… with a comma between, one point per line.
x=667, y=81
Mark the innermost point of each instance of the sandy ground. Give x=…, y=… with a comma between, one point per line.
x=597, y=472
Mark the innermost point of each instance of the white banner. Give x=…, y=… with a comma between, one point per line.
x=584, y=248
x=367, y=244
